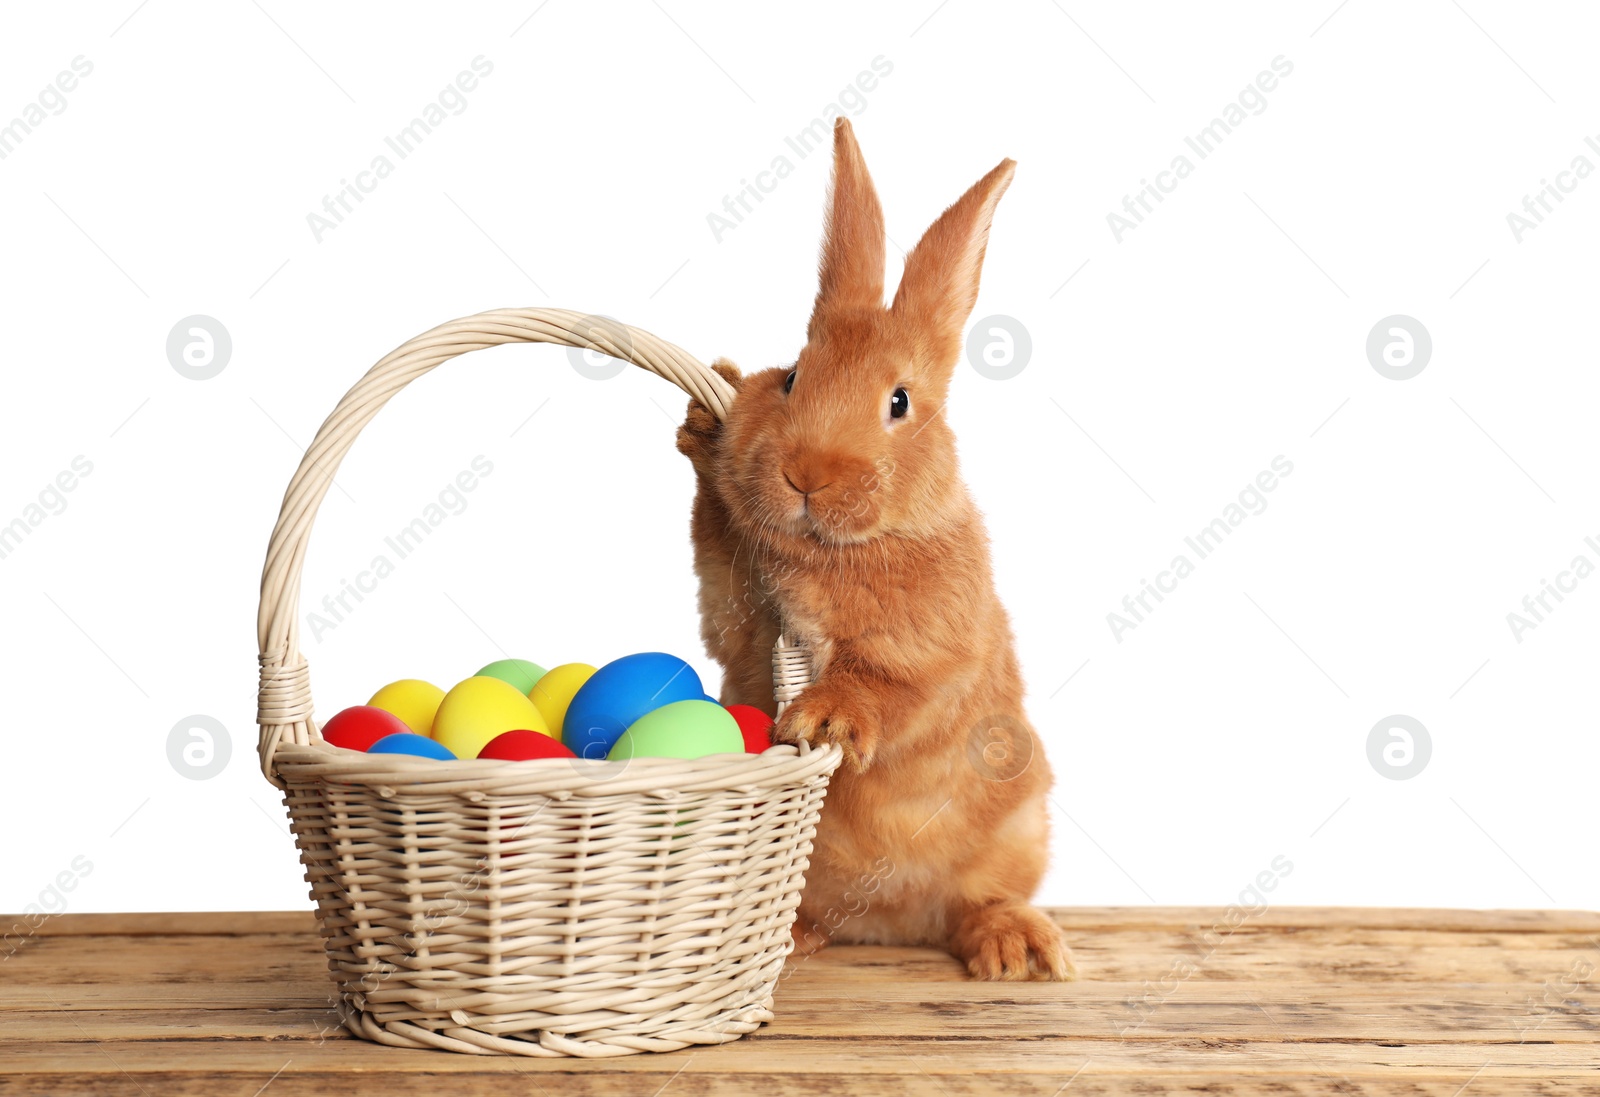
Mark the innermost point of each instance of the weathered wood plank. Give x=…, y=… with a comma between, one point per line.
x=249, y=923
x=863, y=1053
x=297, y=1082
x=1293, y=1013
x=1524, y=959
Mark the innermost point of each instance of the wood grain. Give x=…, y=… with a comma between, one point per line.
x=1294, y=1001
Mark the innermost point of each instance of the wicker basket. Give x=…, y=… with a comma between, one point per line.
x=587, y=908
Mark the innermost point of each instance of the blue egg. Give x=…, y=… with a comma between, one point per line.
x=619, y=693
x=409, y=742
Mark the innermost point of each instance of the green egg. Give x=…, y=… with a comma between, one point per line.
x=683, y=729
x=519, y=672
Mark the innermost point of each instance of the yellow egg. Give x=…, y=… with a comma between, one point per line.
x=553, y=693
x=480, y=708
x=412, y=700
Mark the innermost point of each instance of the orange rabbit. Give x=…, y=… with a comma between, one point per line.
x=830, y=505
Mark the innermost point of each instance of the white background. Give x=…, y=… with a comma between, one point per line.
x=1229, y=728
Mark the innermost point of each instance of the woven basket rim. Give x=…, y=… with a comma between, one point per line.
x=558, y=778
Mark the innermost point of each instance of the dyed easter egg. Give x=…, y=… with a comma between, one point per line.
x=682, y=729
x=622, y=691
x=755, y=725
x=411, y=699
x=407, y=742
x=518, y=672
x=555, y=690
x=521, y=746
x=359, y=726
x=479, y=708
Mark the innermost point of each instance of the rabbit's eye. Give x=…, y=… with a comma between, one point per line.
x=899, y=404
x=788, y=382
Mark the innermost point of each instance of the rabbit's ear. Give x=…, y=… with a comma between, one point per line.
x=851, y=274
x=940, y=284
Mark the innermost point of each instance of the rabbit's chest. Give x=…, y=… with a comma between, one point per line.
x=823, y=609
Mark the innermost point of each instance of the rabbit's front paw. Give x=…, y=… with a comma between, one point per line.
x=701, y=431
x=826, y=714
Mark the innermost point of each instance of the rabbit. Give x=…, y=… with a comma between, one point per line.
x=829, y=505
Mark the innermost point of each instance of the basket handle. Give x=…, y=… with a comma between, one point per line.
x=284, y=706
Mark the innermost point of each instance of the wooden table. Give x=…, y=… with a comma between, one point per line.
x=1346, y=1001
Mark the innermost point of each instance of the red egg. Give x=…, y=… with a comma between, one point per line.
x=521, y=746
x=359, y=726
x=755, y=725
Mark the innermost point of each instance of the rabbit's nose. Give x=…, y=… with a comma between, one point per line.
x=799, y=479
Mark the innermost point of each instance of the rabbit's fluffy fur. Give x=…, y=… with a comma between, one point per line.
x=820, y=512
